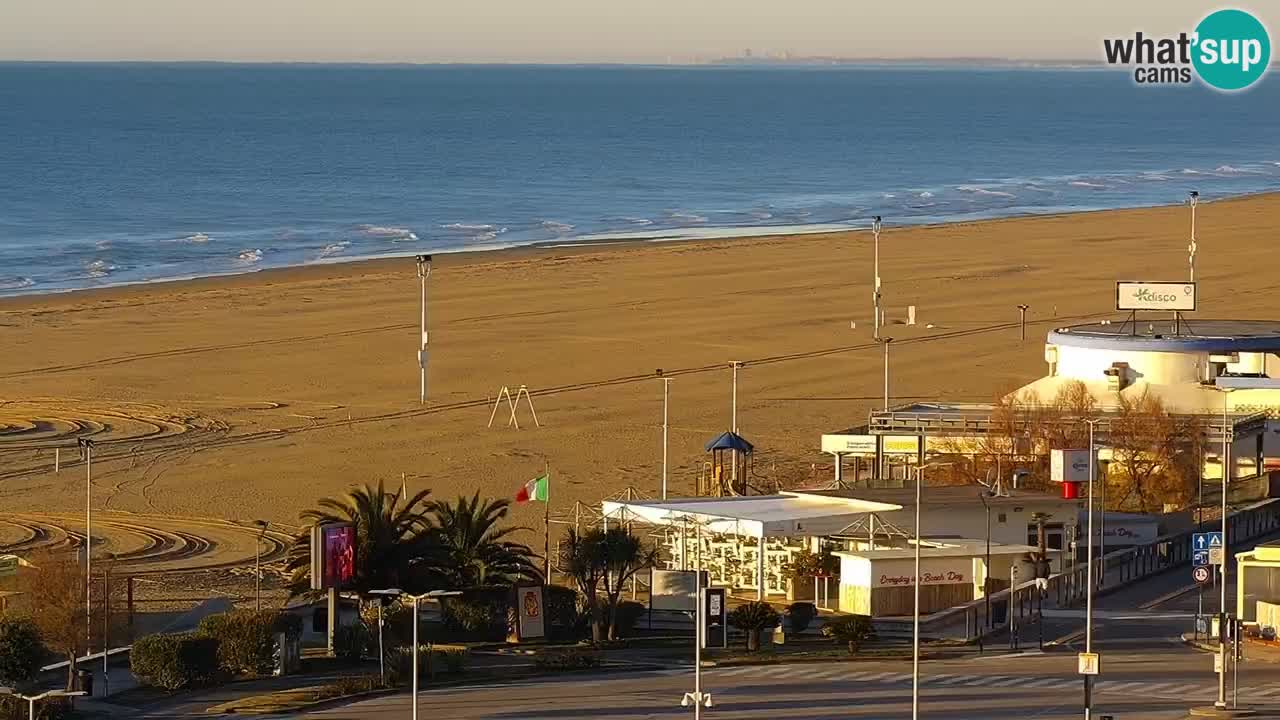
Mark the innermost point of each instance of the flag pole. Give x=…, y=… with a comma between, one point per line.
x=546, y=527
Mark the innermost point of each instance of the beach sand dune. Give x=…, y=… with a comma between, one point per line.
x=250, y=397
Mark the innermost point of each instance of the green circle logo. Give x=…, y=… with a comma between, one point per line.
x=1232, y=49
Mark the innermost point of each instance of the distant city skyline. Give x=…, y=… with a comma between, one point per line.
x=576, y=31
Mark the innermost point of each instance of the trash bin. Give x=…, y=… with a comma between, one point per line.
x=84, y=680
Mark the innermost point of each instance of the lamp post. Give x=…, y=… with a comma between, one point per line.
x=915, y=623
x=86, y=452
x=1192, y=198
x=666, y=396
x=424, y=272
x=1022, y=321
x=697, y=698
x=986, y=567
x=875, y=290
x=885, y=342
x=1088, y=612
x=1228, y=435
x=31, y=699
x=733, y=420
x=396, y=592
x=257, y=563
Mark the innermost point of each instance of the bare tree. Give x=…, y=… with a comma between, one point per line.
x=53, y=595
x=1155, y=455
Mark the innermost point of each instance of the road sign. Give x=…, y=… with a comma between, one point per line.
x=1206, y=541
x=1088, y=663
x=1217, y=662
x=1216, y=556
x=1202, y=625
x=1199, y=557
x=1200, y=574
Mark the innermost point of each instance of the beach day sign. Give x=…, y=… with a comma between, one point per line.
x=1228, y=50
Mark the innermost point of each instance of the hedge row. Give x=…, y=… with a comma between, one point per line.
x=240, y=642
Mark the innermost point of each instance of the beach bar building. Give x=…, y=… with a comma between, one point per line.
x=1225, y=373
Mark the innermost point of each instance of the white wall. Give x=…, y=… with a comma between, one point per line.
x=970, y=520
x=1163, y=368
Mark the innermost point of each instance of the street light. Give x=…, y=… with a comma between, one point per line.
x=86, y=451
x=1088, y=612
x=1192, y=198
x=885, y=342
x=697, y=699
x=1228, y=435
x=31, y=699
x=875, y=290
x=733, y=456
x=257, y=563
x=915, y=624
x=396, y=592
x=424, y=271
x=983, y=494
x=666, y=396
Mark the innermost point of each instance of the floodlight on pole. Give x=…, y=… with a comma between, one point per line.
x=257, y=562
x=424, y=272
x=915, y=624
x=875, y=289
x=1193, y=198
x=666, y=396
x=86, y=452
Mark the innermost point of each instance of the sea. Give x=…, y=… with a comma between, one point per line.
x=126, y=173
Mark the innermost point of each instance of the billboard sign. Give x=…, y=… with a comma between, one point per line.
x=333, y=555
x=1155, y=296
x=530, y=612
x=1069, y=466
x=674, y=590
x=849, y=444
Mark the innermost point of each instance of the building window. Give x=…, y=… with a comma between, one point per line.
x=1002, y=517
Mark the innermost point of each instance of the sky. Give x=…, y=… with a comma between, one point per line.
x=578, y=30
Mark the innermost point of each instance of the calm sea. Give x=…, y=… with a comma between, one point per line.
x=127, y=173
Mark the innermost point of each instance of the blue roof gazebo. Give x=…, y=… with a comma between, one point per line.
x=727, y=478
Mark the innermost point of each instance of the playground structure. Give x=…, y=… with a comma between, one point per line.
x=730, y=466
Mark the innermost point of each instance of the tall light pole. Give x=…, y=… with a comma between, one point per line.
x=424, y=271
x=86, y=451
x=733, y=456
x=875, y=290
x=1022, y=321
x=697, y=698
x=1228, y=435
x=396, y=592
x=257, y=563
x=915, y=622
x=666, y=396
x=885, y=342
x=1193, y=197
x=1088, y=611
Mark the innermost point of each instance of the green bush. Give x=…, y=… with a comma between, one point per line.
x=629, y=614
x=351, y=641
x=753, y=617
x=559, y=660
x=432, y=660
x=20, y=650
x=801, y=615
x=565, y=618
x=850, y=630
x=174, y=662
x=246, y=638
x=350, y=685
x=52, y=708
x=478, y=614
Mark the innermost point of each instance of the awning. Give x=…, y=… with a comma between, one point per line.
x=783, y=515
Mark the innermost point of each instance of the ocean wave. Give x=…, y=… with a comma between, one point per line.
x=194, y=238
x=250, y=256
x=558, y=228
x=394, y=234
x=15, y=283
x=1190, y=171
x=1233, y=170
x=465, y=228
x=333, y=249
x=1155, y=176
x=686, y=217
x=103, y=244
x=1086, y=184
x=924, y=194
x=761, y=214
x=636, y=221
x=99, y=268
x=975, y=190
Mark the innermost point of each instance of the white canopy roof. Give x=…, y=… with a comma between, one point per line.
x=787, y=514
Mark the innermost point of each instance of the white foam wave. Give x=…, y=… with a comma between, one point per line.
x=975, y=190
x=465, y=228
x=558, y=228
x=395, y=234
x=103, y=244
x=887, y=195
x=761, y=214
x=15, y=283
x=250, y=256
x=99, y=268
x=637, y=221
x=1232, y=170
x=924, y=194
x=685, y=217
x=1190, y=171
x=1086, y=184
x=333, y=249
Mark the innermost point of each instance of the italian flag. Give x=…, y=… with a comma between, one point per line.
x=535, y=489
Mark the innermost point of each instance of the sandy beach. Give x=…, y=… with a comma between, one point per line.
x=249, y=397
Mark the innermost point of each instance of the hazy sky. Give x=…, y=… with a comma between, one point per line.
x=576, y=30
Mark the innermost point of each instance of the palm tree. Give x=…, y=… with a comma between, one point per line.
x=473, y=549
x=395, y=547
x=604, y=557
x=581, y=559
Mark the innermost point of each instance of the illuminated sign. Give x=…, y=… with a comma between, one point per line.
x=333, y=555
